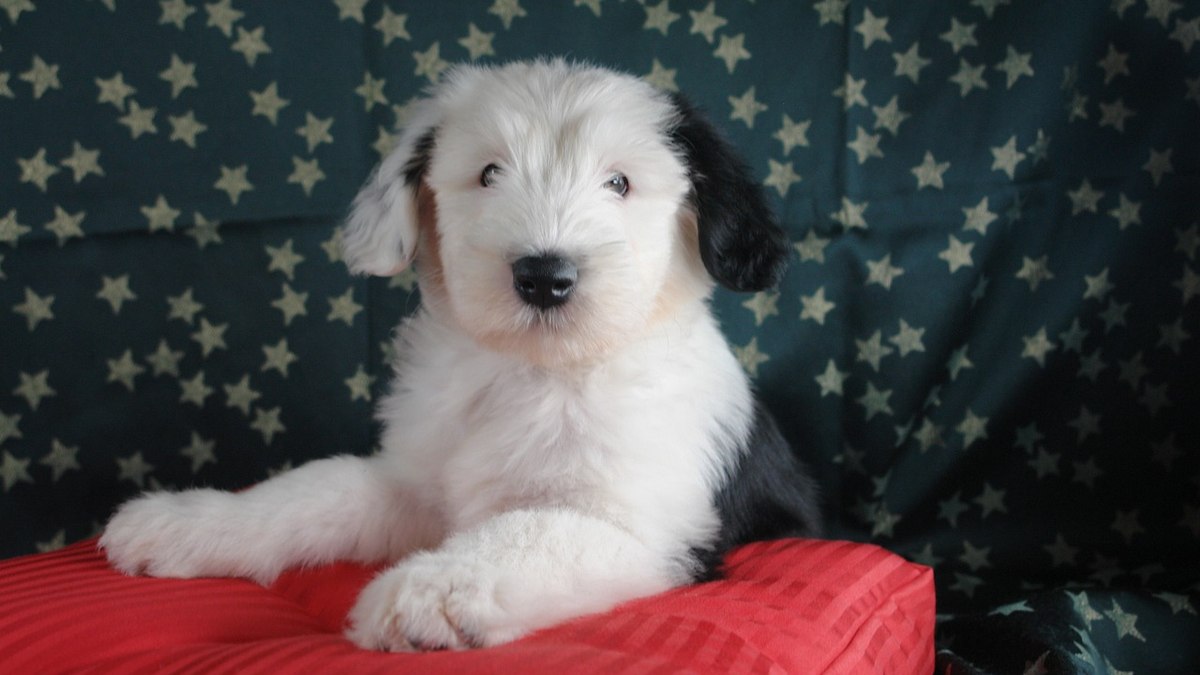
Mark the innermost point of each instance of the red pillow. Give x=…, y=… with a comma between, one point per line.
x=801, y=606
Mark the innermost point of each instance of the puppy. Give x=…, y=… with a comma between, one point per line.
x=567, y=428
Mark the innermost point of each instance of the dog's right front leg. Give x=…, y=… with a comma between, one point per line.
x=341, y=508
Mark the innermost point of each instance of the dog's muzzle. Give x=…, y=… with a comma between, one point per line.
x=544, y=281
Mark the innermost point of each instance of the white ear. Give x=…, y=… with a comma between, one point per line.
x=380, y=236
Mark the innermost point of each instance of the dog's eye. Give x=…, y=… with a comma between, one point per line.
x=618, y=184
x=489, y=175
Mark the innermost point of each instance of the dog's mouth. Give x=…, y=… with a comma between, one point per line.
x=555, y=337
x=549, y=322
x=548, y=307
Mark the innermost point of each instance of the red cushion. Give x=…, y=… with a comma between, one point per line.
x=786, y=606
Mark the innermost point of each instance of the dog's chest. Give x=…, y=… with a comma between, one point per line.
x=529, y=442
x=637, y=438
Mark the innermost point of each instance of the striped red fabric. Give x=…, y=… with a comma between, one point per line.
x=787, y=606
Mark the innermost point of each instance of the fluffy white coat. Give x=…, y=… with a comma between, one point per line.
x=534, y=465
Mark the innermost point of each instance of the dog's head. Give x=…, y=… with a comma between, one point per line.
x=556, y=210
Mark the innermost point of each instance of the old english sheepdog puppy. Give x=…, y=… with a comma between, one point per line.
x=567, y=428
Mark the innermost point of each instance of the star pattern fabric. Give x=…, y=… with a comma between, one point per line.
x=986, y=346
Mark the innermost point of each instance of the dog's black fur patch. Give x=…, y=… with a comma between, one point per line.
x=768, y=495
x=742, y=245
x=418, y=163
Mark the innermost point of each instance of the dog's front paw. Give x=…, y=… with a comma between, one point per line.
x=433, y=601
x=164, y=534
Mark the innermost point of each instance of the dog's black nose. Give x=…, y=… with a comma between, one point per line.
x=544, y=281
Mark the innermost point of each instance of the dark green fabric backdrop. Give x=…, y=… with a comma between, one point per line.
x=986, y=345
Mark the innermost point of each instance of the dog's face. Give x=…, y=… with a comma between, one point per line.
x=557, y=211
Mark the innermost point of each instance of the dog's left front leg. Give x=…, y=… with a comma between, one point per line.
x=518, y=572
x=340, y=508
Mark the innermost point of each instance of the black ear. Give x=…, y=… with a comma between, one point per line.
x=742, y=245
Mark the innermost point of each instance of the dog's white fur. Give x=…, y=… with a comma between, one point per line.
x=535, y=466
